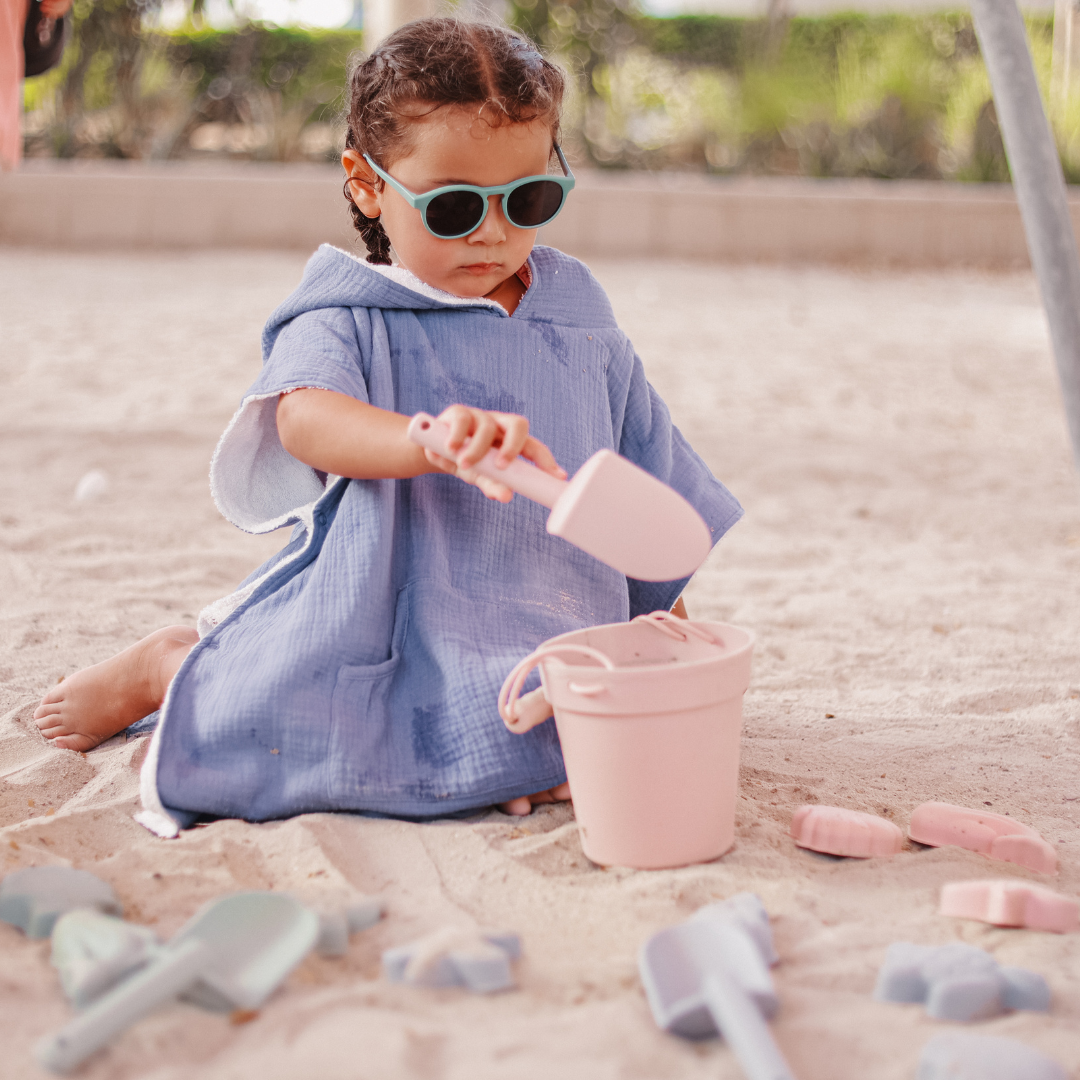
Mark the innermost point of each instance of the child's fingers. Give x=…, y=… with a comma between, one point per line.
x=493, y=489
x=542, y=458
x=459, y=419
x=484, y=433
x=515, y=434
x=483, y=430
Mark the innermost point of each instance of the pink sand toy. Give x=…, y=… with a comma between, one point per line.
x=612, y=510
x=1011, y=903
x=837, y=831
x=939, y=824
x=649, y=715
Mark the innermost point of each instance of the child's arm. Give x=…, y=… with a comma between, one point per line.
x=338, y=434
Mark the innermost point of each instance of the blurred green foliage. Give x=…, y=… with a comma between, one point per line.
x=125, y=90
x=840, y=95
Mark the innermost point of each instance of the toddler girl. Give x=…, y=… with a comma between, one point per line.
x=359, y=668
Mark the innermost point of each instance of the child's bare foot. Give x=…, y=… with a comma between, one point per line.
x=523, y=807
x=94, y=704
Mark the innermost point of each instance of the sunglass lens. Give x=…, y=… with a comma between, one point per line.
x=454, y=213
x=534, y=204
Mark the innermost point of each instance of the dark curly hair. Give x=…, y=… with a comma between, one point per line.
x=437, y=62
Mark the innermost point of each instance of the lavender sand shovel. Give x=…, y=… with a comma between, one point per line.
x=711, y=974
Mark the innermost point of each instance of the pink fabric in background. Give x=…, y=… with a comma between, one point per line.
x=12, y=20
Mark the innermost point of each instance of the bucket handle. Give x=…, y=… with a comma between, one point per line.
x=511, y=687
x=674, y=627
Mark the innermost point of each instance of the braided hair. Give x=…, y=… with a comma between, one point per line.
x=434, y=63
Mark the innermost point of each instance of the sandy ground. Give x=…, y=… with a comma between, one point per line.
x=909, y=561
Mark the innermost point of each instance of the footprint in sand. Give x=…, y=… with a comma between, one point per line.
x=547, y=843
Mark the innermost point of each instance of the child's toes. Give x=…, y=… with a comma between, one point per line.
x=54, y=696
x=81, y=743
x=43, y=711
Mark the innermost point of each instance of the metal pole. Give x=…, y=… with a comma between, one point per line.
x=1040, y=188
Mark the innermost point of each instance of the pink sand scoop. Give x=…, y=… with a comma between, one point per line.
x=612, y=510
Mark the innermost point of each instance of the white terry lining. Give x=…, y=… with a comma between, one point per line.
x=256, y=483
x=408, y=280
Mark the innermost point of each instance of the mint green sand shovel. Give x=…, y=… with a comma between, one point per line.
x=231, y=955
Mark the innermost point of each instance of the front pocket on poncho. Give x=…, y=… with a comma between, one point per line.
x=362, y=760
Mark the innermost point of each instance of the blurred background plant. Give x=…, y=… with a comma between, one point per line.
x=894, y=96
x=126, y=89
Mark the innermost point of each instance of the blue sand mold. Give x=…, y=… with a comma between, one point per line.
x=480, y=974
x=959, y=1056
x=958, y=982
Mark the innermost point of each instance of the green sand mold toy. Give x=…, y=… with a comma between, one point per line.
x=34, y=898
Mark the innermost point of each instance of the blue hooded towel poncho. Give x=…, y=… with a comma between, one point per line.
x=359, y=668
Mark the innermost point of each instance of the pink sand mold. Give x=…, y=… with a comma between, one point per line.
x=835, y=830
x=453, y=957
x=955, y=1055
x=940, y=824
x=1011, y=903
x=34, y=898
x=958, y=982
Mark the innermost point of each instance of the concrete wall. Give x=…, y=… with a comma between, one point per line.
x=99, y=205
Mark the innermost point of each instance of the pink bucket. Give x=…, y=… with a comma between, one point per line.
x=649, y=716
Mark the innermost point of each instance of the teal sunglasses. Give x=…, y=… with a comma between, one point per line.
x=458, y=209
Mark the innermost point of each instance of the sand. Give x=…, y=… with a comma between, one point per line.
x=909, y=562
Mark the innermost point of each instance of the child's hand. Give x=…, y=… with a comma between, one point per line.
x=483, y=430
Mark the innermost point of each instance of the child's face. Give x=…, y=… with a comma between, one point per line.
x=453, y=146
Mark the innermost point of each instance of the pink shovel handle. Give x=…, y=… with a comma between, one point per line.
x=518, y=476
